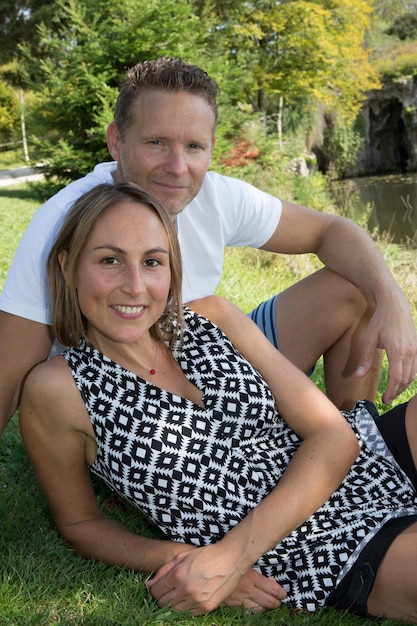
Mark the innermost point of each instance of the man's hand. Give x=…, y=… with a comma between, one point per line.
x=394, y=331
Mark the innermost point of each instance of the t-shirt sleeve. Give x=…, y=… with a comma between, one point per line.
x=250, y=216
x=25, y=292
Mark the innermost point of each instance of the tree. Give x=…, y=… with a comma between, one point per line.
x=303, y=53
x=404, y=26
x=82, y=65
x=299, y=50
x=19, y=21
x=388, y=10
x=8, y=113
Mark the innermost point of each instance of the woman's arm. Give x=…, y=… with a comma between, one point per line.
x=60, y=441
x=201, y=580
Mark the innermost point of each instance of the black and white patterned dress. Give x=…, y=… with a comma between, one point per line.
x=195, y=472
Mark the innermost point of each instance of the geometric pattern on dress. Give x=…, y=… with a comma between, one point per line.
x=196, y=472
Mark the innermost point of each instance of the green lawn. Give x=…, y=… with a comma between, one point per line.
x=41, y=581
x=10, y=159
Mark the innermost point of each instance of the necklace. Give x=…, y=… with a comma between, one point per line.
x=152, y=371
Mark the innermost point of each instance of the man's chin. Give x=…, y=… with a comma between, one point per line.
x=173, y=209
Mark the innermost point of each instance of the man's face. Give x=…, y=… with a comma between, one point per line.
x=168, y=147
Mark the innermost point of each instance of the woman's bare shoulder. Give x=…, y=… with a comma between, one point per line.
x=218, y=310
x=49, y=378
x=51, y=402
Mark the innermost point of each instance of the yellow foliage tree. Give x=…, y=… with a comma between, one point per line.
x=303, y=49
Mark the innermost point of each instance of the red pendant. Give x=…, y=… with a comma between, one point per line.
x=152, y=371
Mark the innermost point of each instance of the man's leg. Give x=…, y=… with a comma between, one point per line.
x=324, y=314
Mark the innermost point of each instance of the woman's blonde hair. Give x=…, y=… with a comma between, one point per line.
x=68, y=323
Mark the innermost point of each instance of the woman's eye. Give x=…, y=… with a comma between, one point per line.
x=152, y=262
x=109, y=260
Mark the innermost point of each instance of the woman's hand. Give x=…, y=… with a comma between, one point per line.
x=256, y=593
x=200, y=580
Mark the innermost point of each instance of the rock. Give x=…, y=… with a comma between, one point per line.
x=390, y=117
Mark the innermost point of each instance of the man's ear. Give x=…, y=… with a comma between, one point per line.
x=113, y=140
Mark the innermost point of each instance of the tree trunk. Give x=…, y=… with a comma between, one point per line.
x=23, y=125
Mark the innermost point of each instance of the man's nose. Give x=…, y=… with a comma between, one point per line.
x=176, y=162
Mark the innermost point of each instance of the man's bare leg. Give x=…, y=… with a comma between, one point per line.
x=324, y=314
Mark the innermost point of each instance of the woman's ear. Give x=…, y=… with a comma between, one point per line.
x=63, y=262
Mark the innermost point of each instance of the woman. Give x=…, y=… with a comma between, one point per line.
x=159, y=403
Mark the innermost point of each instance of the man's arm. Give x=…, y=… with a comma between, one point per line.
x=23, y=344
x=346, y=249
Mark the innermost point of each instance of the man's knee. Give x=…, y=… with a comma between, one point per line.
x=348, y=294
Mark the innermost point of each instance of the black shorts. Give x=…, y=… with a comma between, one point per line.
x=353, y=591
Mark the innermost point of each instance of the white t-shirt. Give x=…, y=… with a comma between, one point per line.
x=226, y=212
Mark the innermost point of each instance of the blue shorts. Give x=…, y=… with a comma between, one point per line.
x=265, y=318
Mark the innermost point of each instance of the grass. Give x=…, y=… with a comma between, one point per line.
x=41, y=581
x=10, y=159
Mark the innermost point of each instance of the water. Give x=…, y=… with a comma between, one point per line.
x=385, y=203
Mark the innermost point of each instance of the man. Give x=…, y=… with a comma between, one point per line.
x=162, y=138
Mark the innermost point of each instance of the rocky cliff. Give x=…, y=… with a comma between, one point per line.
x=390, y=116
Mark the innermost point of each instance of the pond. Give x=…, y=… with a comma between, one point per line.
x=386, y=203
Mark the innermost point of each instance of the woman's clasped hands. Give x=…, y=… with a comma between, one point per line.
x=200, y=580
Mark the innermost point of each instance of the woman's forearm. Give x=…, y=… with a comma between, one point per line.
x=314, y=473
x=104, y=539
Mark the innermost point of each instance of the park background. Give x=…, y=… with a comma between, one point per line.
x=290, y=73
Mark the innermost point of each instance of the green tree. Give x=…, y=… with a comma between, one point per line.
x=82, y=65
x=404, y=26
x=19, y=25
x=264, y=54
x=8, y=113
x=19, y=21
x=388, y=10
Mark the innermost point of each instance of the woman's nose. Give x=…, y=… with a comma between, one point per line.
x=133, y=279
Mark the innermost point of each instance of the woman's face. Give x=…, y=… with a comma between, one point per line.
x=123, y=274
